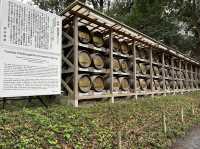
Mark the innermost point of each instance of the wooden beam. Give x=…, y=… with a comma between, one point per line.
x=134, y=70
x=111, y=64
x=67, y=87
x=76, y=91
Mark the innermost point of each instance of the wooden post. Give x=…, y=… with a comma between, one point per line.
x=196, y=78
x=164, y=123
x=186, y=73
x=76, y=92
x=163, y=73
x=182, y=115
x=111, y=65
x=134, y=70
x=151, y=71
x=193, y=112
x=119, y=139
x=173, y=79
x=180, y=79
x=191, y=76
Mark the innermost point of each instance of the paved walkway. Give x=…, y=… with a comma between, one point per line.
x=190, y=141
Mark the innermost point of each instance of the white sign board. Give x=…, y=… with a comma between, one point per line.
x=30, y=50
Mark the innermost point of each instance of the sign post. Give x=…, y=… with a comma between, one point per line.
x=30, y=51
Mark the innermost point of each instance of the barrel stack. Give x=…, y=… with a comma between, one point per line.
x=103, y=58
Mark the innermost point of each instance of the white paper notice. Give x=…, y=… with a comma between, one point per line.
x=30, y=50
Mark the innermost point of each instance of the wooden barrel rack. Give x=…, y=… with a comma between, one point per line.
x=104, y=59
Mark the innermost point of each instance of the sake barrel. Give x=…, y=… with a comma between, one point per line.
x=124, y=83
x=84, y=59
x=116, y=84
x=97, y=39
x=97, y=60
x=123, y=65
x=116, y=45
x=116, y=65
x=84, y=83
x=97, y=83
x=84, y=34
x=124, y=47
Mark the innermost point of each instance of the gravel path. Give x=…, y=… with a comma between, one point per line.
x=190, y=141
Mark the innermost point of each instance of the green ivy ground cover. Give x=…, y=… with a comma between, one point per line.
x=139, y=124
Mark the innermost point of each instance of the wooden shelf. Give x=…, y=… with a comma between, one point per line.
x=122, y=73
x=121, y=55
x=93, y=70
x=142, y=60
x=92, y=47
x=143, y=76
x=157, y=64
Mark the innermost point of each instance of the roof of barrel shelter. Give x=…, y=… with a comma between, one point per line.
x=98, y=21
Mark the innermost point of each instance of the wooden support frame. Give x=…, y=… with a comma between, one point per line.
x=151, y=70
x=134, y=70
x=73, y=67
x=163, y=73
x=111, y=64
x=76, y=92
x=173, y=77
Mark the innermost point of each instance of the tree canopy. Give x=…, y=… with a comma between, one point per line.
x=173, y=22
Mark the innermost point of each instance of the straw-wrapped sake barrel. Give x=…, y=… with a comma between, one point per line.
x=116, y=65
x=143, y=84
x=97, y=60
x=124, y=84
x=97, y=83
x=123, y=65
x=84, y=59
x=97, y=39
x=124, y=47
x=84, y=34
x=84, y=83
